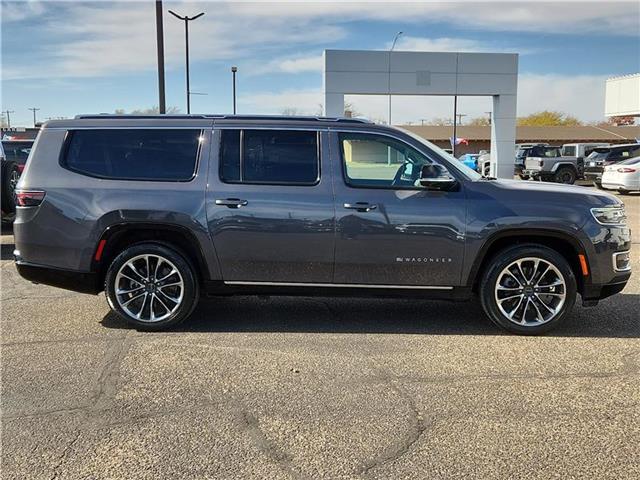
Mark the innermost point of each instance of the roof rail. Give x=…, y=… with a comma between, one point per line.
x=227, y=117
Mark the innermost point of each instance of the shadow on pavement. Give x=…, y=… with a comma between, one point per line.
x=613, y=318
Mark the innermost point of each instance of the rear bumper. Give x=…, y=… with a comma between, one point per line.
x=83, y=282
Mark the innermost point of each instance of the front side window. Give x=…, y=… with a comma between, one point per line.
x=379, y=161
x=134, y=154
x=569, y=151
x=269, y=157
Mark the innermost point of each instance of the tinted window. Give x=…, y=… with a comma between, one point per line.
x=269, y=156
x=17, y=151
x=137, y=154
x=378, y=161
x=569, y=151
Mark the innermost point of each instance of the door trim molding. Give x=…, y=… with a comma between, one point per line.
x=338, y=285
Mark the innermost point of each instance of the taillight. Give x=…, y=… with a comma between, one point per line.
x=626, y=170
x=29, y=198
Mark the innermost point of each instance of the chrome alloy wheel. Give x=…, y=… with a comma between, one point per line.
x=149, y=288
x=530, y=291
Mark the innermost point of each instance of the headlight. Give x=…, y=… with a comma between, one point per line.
x=613, y=215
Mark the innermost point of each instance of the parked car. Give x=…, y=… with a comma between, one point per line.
x=605, y=156
x=484, y=164
x=531, y=150
x=156, y=210
x=623, y=176
x=553, y=168
x=580, y=150
x=470, y=160
x=14, y=154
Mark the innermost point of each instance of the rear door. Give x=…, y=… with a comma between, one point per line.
x=390, y=232
x=270, y=205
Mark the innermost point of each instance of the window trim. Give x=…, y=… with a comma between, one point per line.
x=68, y=136
x=343, y=163
x=287, y=184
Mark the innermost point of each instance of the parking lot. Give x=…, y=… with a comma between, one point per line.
x=316, y=388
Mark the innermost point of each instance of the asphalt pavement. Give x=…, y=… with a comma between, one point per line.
x=255, y=387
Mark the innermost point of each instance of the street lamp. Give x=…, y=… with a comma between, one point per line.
x=234, y=69
x=395, y=39
x=186, y=20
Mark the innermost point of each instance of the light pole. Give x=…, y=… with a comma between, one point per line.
x=186, y=20
x=162, y=106
x=395, y=39
x=234, y=69
x=9, y=112
x=34, y=110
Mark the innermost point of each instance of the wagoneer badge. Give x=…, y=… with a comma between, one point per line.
x=423, y=259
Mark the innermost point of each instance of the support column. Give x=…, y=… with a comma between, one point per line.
x=503, y=136
x=333, y=104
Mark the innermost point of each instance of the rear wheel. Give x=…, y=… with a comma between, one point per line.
x=565, y=175
x=151, y=286
x=598, y=185
x=528, y=289
x=623, y=191
x=10, y=177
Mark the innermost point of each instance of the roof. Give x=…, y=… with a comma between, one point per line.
x=101, y=116
x=532, y=134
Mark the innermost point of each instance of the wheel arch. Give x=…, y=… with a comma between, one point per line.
x=560, y=165
x=566, y=245
x=117, y=237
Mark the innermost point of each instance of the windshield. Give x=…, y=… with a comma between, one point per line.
x=451, y=161
x=631, y=161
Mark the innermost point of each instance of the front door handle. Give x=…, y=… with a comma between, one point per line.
x=231, y=202
x=360, y=206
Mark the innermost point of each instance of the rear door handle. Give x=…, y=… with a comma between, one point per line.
x=231, y=202
x=360, y=206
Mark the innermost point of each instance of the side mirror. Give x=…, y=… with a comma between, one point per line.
x=436, y=177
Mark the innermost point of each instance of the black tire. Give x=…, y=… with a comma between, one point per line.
x=524, y=177
x=622, y=191
x=492, y=274
x=565, y=175
x=185, y=273
x=598, y=185
x=10, y=176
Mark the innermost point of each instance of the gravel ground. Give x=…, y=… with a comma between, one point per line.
x=316, y=388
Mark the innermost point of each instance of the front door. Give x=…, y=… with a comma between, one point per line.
x=389, y=230
x=270, y=206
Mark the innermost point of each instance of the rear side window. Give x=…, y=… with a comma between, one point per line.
x=287, y=157
x=135, y=154
x=569, y=151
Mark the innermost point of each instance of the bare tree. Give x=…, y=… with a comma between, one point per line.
x=154, y=110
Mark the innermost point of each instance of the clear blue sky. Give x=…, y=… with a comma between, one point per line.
x=79, y=57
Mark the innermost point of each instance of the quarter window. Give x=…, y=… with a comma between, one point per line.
x=269, y=156
x=378, y=161
x=135, y=154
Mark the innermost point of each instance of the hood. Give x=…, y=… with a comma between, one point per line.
x=546, y=192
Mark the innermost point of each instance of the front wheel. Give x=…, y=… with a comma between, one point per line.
x=151, y=286
x=528, y=289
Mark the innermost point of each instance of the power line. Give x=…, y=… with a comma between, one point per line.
x=34, y=110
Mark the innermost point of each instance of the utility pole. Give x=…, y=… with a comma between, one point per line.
x=422, y=120
x=162, y=106
x=34, y=110
x=395, y=39
x=8, y=113
x=186, y=20
x=460, y=115
x=234, y=70
x=455, y=125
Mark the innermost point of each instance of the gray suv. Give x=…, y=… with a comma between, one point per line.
x=156, y=211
